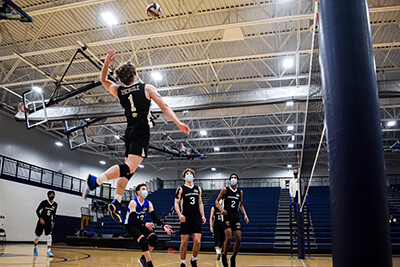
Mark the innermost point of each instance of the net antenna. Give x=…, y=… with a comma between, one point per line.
x=10, y=11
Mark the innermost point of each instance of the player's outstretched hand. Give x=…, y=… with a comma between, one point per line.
x=182, y=218
x=150, y=226
x=184, y=128
x=42, y=221
x=246, y=219
x=224, y=212
x=204, y=220
x=211, y=230
x=110, y=55
x=168, y=229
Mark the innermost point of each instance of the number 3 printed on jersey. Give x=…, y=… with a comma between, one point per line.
x=192, y=200
x=133, y=109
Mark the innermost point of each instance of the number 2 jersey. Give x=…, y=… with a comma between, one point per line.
x=190, y=202
x=230, y=202
x=141, y=209
x=136, y=106
x=47, y=211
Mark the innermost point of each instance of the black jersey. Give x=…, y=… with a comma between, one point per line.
x=190, y=202
x=137, y=107
x=217, y=215
x=231, y=201
x=47, y=211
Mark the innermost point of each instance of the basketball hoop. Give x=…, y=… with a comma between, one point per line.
x=73, y=136
x=22, y=108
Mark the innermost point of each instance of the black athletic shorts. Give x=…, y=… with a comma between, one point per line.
x=136, y=143
x=232, y=223
x=219, y=234
x=190, y=227
x=136, y=231
x=40, y=227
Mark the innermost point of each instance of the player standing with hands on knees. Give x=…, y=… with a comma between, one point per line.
x=232, y=200
x=190, y=210
x=135, y=97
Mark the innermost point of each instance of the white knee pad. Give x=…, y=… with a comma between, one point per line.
x=49, y=240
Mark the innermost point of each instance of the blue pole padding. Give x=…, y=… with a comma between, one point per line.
x=359, y=206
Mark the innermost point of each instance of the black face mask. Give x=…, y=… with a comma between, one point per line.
x=51, y=197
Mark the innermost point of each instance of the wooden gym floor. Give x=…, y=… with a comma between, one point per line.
x=21, y=255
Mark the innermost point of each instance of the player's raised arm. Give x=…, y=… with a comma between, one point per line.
x=166, y=109
x=109, y=85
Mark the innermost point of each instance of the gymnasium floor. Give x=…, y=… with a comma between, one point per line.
x=21, y=255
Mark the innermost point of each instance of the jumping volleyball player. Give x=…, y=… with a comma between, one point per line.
x=135, y=97
x=140, y=230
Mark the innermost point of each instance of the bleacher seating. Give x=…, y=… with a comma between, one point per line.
x=394, y=207
x=321, y=218
x=261, y=205
x=320, y=210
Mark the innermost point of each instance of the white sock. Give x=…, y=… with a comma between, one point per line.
x=183, y=261
x=49, y=250
x=218, y=251
x=194, y=258
x=118, y=198
x=101, y=179
x=36, y=241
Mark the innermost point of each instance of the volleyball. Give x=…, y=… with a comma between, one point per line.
x=153, y=10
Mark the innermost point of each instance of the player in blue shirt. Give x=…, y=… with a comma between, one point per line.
x=140, y=230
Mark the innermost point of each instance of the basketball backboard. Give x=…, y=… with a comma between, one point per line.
x=75, y=133
x=34, y=104
x=10, y=11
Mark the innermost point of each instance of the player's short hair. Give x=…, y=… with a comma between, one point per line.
x=230, y=176
x=125, y=72
x=50, y=192
x=187, y=170
x=138, y=187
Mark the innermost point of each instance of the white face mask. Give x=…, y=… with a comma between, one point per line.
x=145, y=193
x=233, y=181
x=189, y=177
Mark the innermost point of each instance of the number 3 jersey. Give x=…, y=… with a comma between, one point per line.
x=190, y=202
x=231, y=201
x=137, y=107
x=141, y=209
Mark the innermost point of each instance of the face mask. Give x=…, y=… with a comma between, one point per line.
x=52, y=197
x=189, y=177
x=233, y=181
x=145, y=193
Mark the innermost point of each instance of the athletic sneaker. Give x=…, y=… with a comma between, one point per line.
x=224, y=261
x=35, y=252
x=91, y=184
x=183, y=265
x=115, y=210
x=193, y=263
x=232, y=261
x=49, y=254
x=142, y=261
